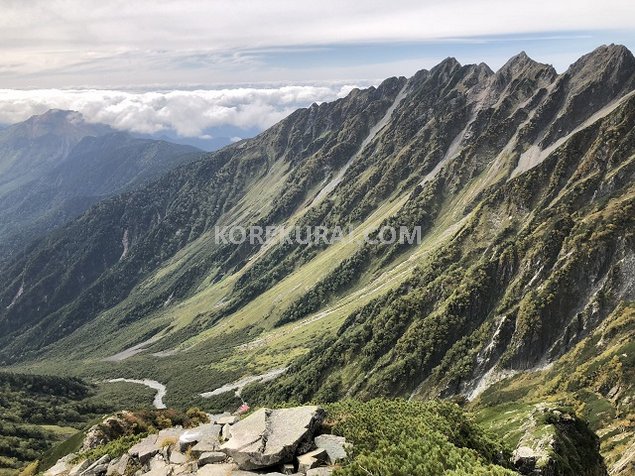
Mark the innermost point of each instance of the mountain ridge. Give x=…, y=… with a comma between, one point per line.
x=56, y=165
x=520, y=179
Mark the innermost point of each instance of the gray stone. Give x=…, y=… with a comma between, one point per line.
x=98, y=467
x=202, y=439
x=312, y=460
x=217, y=469
x=185, y=469
x=157, y=462
x=165, y=470
x=335, y=446
x=270, y=437
x=207, y=445
x=176, y=457
x=79, y=468
x=118, y=467
x=324, y=471
x=145, y=449
x=228, y=420
x=211, y=457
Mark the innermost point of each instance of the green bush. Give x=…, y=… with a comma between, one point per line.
x=401, y=438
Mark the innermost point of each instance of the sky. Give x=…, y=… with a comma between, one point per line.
x=233, y=67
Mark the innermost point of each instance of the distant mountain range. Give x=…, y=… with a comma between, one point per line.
x=55, y=166
x=521, y=290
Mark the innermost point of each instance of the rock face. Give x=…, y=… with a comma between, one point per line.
x=270, y=437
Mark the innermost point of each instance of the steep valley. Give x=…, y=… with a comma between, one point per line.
x=520, y=293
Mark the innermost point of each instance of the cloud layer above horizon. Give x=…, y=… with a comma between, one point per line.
x=118, y=43
x=187, y=113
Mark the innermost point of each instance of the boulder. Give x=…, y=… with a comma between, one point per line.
x=270, y=437
x=117, y=467
x=211, y=457
x=312, y=460
x=98, y=467
x=202, y=439
x=145, y=449
x=335, y=446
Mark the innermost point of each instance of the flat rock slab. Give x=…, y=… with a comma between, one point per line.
x=270, y=437
x=335, y=446
x=202, y=439
x=145, y=449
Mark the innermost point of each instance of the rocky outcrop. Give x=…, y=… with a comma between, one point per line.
x=272, y=442
x=270, y=437
x=555, y=443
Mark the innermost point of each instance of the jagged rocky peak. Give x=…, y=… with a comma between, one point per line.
x=446, y=68
x=589, y=85
x=613, y=66
x=475, y=75
x=522, y=66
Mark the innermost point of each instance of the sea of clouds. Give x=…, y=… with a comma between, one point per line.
x=188, y=113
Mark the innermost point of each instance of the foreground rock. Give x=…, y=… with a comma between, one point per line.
x=335, y=447
x=268, y=442
x=270, y=437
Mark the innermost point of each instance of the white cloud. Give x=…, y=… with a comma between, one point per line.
x=188, y=113
x=96, y=42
